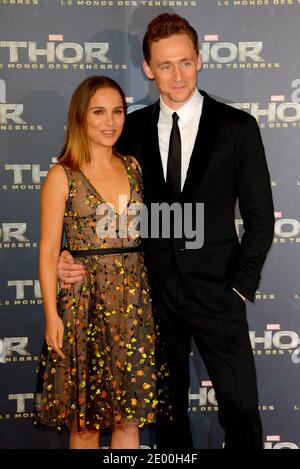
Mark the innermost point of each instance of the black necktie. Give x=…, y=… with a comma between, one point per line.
x=174, y=159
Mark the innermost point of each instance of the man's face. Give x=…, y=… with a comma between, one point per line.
x=174, y=65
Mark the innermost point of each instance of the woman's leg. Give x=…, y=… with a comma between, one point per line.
x=126, y=437
x=84, y=440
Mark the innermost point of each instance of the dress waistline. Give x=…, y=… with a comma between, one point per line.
x=105, y=251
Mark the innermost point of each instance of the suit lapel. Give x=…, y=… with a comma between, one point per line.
x=200, y=157
x=153, y=159
x=202, y=149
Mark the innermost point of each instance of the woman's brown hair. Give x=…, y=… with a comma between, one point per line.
x=75, y=150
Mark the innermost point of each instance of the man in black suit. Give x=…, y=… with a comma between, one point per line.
x=193, y=149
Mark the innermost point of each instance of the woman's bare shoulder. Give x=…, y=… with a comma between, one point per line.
x=57, y=179
x=57, y=171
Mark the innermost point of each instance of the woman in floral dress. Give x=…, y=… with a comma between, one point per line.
x=97, y=367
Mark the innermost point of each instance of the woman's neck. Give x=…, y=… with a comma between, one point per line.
x=101, y=158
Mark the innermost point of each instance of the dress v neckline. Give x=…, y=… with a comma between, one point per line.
x=100, y=196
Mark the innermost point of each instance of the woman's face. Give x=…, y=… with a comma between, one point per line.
x=105, y=118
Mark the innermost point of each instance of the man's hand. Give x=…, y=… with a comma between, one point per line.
x=67, y=271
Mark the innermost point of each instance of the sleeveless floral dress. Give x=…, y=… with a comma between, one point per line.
x=109, y=376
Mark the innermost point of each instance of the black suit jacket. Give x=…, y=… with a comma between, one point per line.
x=227, y=164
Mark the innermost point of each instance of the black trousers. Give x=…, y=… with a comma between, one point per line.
x=222, y=339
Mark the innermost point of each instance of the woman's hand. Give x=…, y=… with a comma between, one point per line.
x=54, y=334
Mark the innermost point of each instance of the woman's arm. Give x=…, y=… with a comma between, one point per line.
x=53, y=198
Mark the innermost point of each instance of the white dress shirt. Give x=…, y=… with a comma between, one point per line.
x=188, y=122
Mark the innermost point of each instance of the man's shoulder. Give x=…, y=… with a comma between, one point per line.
x=225, y=110
x=141, y=112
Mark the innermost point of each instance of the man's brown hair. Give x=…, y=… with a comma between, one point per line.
x=165, y=25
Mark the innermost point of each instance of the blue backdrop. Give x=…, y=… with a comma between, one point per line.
x=251, y=61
